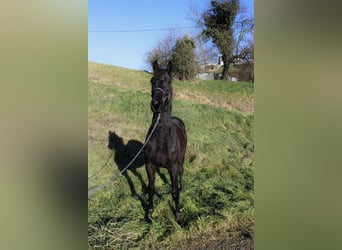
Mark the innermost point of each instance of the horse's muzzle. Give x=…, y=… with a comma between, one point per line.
x=155, y=108
x=158, y=103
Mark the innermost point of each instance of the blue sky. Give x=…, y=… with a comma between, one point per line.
x=128, y=49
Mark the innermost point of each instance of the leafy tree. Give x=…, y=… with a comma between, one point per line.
x=218, y=21
x=184, y=58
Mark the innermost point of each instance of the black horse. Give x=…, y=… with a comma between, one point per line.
x=167, y=145
x=124, y=153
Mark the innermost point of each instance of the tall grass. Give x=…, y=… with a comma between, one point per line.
x=217, y=204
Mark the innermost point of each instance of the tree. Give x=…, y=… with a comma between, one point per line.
x=163, y=50
x=243, y=48
x=184, y=59
x=218, y=21
x=243, y=29
x=206, y=52
x=179, y=50
x=230, y=27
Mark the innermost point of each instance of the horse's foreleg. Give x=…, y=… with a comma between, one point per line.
x=150, y=169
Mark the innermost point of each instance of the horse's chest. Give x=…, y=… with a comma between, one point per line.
x=162, y=150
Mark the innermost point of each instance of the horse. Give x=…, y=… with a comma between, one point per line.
x=167, y=145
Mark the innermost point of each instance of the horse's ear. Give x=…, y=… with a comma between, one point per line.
x=169, y=67
x=155, y=66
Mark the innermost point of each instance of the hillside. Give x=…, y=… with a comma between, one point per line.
x=217, y=204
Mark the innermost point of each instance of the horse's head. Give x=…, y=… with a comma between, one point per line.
x=161, y=88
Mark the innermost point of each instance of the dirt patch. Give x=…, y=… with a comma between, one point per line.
x=241, y=238
x=239, y=103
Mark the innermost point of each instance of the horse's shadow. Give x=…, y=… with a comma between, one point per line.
x=123, y=154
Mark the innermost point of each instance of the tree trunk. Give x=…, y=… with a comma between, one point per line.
x=225, y=70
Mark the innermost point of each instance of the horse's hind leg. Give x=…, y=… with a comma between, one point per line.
x=181, y=188
x=150, y=169
x=175, y=191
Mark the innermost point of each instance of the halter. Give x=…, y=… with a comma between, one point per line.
x=165, y=97
x=163, y=91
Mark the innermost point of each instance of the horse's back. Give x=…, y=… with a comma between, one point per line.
x=181, y=132
x=179, y=123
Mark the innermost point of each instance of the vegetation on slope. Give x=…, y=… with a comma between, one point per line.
x=217, y=204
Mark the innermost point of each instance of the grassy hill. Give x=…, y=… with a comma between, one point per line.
x=217, y=204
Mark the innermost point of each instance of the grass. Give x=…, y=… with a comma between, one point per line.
x=217, y=204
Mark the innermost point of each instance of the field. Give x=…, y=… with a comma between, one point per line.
x=217, y=203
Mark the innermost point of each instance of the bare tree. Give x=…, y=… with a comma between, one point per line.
x=162, y=52
x=206, y=52
x=243, y=30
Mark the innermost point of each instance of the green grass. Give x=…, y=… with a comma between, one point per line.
x=220, y=86
x=218, y=200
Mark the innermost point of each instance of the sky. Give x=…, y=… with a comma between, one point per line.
x=133, y=28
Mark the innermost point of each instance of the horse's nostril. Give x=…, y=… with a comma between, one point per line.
x=154, y=106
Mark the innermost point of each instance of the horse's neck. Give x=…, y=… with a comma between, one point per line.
x=165, y=117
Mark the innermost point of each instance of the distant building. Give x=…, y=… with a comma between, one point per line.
x=220, y=61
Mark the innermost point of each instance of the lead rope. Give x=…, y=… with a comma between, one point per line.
x=100, y=187
x=103, y=166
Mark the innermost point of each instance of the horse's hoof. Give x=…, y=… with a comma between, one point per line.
x=149, y=215
x=148, y=219
x=178, y=217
